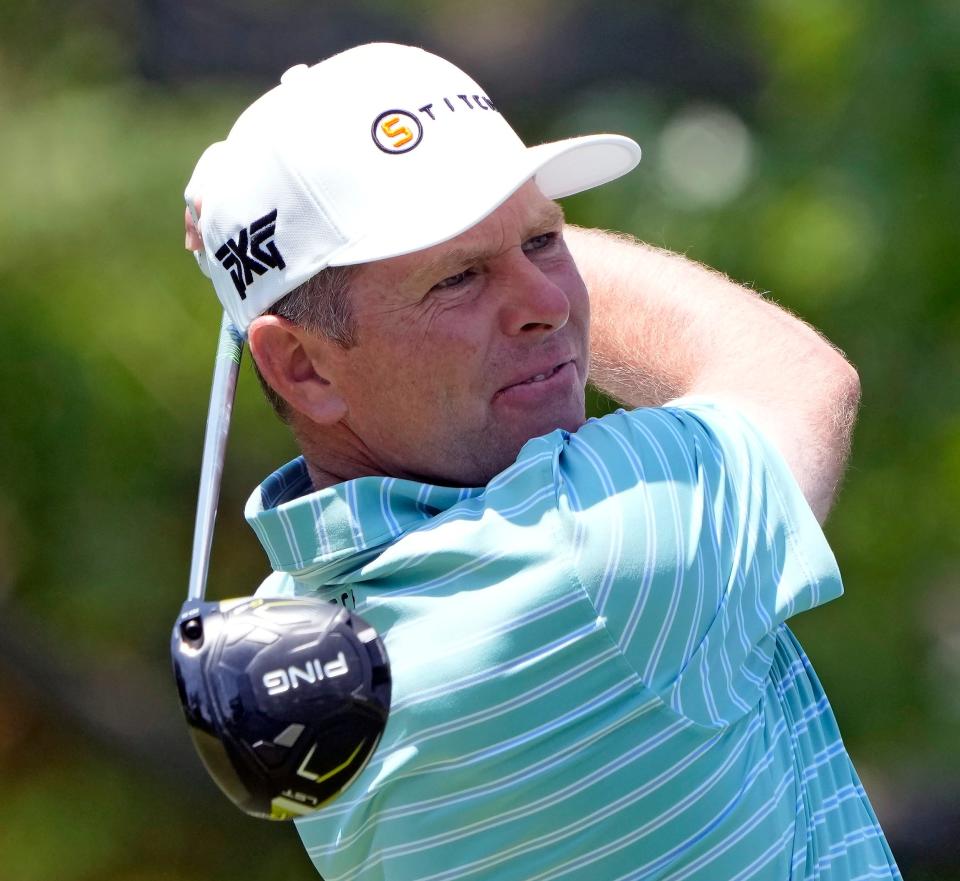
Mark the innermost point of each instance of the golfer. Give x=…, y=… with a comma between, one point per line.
x=587, y=620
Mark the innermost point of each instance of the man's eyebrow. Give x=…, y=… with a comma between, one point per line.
x=546, y=219
x=551, y=215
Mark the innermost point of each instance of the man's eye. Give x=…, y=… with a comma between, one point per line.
x=539, y=242
x=452, y=281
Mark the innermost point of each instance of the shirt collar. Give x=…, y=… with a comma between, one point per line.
x=326, y=532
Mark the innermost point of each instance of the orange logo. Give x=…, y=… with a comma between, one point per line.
x=396, y=131
x=399, y=133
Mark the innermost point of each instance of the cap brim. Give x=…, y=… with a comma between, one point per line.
x=560, y=168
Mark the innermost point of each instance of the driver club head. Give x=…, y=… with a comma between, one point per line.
x=285, y=699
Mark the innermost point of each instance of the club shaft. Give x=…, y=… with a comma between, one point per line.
x=225, y=371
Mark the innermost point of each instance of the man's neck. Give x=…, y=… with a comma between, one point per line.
x=320, y=477
x=333, y=455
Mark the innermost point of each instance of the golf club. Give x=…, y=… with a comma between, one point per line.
x=286, y=699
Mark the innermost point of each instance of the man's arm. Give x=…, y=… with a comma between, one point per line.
x=664, y=327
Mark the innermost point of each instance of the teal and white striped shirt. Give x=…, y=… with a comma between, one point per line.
x=593, y=679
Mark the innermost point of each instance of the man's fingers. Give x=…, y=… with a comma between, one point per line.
x=193, y=241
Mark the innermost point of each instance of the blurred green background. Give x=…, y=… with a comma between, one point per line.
x=810, y=149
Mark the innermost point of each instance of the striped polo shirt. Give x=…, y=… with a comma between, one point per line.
x=593, y=678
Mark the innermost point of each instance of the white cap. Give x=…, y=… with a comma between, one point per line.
x=378, y=151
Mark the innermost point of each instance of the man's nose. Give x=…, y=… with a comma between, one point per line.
x=531, y=302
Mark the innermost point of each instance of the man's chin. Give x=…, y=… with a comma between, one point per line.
x=570, y=421
x=475, y=460
x=478, y=469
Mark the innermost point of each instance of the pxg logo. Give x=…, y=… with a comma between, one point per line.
x=253, y=251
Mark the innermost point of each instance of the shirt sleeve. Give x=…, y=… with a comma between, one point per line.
x=277, y=584
x=694, y=542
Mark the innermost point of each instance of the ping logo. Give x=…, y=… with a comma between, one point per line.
x=254, y=251
x=282, y=680
x=396, y=131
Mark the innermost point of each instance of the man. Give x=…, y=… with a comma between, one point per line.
x=592, y=674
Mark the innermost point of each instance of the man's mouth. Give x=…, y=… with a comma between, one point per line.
x=540, y=377
x=537, y=377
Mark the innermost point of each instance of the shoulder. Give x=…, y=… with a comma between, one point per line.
x=640, y=448
x=677, y=421
x=673, y=440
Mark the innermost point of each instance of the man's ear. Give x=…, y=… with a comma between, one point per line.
x=295, y=362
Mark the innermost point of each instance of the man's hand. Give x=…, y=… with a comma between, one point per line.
x=192, y=242
x=663, y=327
